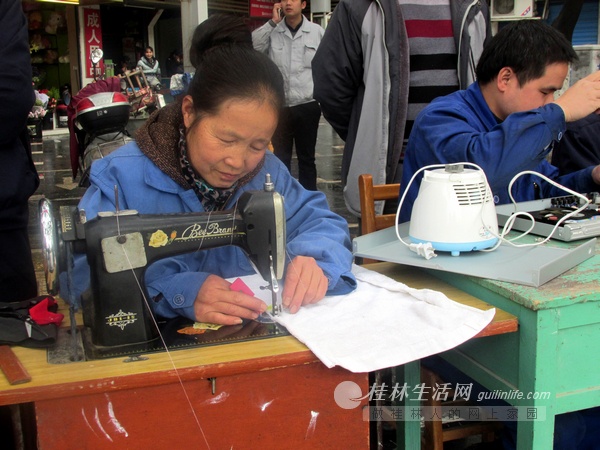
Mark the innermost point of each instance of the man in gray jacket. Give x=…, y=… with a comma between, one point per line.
x=379, y=63
x=291, y=41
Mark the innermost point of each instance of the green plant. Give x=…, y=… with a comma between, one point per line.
x=54, y=93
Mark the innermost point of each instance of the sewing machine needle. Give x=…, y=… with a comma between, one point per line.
x=274, y=302
x=274, y=289
x=116, y=199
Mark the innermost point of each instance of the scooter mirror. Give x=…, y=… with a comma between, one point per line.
x=96, y=55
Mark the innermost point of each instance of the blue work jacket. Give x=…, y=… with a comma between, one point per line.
x=312, y=228
x=460, y=127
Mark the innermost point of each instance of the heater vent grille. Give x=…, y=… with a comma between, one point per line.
x=471, y=193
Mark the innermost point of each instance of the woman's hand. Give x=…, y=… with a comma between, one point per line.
x=305, y=283
x=216, y=303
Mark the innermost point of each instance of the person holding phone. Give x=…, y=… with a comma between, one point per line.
x=291, y=41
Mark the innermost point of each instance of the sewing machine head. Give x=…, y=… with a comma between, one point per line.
x=120, y=246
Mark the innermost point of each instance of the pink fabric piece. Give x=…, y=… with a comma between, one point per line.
x=239, y=286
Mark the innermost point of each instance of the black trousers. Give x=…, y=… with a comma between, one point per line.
x=298, y=125
x=17, y=274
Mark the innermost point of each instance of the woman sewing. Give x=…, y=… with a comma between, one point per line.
x=201, y=154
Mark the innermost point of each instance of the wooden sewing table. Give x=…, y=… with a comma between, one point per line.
x=270, y=393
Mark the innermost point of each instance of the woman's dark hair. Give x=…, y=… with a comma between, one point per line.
x=218, y=29
x=526, y=46
x=227, y=66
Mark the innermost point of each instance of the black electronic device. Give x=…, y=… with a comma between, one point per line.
x=547, y=212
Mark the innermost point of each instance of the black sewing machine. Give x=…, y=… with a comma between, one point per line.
x=120, y=245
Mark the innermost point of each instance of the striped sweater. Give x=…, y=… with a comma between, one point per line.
x=433, y=55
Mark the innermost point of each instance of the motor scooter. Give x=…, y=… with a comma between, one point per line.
x=101, y=122
x=98, y=116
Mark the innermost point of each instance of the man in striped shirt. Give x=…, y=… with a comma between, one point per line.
x=379, y=63
x=433, y=54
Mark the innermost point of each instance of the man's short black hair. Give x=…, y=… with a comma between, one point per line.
x=526, y=46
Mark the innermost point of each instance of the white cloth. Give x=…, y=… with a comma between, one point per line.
x=383, y=323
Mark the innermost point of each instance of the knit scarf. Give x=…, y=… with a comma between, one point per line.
x=212, y=198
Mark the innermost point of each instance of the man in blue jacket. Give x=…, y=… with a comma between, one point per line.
x=508, y=120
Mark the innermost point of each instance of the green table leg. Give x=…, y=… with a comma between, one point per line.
x=537, y=376
x=408, y=432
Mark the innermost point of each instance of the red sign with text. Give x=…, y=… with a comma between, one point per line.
x=92, y=32
x=260, y=8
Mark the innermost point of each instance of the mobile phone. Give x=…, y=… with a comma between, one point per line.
x=280, y=12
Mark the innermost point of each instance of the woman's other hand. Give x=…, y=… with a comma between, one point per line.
x=305, y=283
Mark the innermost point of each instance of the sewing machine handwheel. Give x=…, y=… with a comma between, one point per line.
x=50, y=245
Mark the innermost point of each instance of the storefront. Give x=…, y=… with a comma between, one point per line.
x=52, y=42
x=63, y=33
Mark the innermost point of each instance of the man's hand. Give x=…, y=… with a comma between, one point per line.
x=277, y=13
x=581, y=99
x=305, y=283
x=216, y=303
x=596, y=174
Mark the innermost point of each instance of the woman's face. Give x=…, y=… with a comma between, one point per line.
x=226, y=146
x=149, y=53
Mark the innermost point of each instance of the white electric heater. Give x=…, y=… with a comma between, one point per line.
x=454, y=211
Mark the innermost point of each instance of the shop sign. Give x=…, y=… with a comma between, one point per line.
x=261, y=8
x=92, y=29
